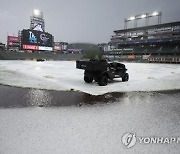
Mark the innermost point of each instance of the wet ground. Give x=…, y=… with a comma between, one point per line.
x=41, y=121
x=26, y=97
x=11, y=97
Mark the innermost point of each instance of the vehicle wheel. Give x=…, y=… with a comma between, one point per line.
x=125, y=77
x=88, y=79
x=103, y=81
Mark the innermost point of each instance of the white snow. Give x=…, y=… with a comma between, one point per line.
x=90, y=129
x=96, y=129
x=63, y=76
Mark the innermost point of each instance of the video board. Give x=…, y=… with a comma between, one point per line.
x=36, y=40
x=37, y=24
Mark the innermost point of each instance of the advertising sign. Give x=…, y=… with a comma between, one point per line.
x=57, y=48
x=75, y=50
x=131, y=56
x=14, y=44
x=35, y=47
x=13, y=41
x=30, y=47
x=45, y=48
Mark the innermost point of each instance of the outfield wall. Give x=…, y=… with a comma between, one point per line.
x=7, y=55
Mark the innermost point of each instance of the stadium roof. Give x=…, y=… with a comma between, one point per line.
x=148, y=27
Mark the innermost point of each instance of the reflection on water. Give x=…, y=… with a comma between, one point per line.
x=38, y=97
x=11, y=97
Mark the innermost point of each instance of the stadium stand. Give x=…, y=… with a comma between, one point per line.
x=83, y=46
x=2, y=46
x=155, y=43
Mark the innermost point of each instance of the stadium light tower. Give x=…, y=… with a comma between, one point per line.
x=145, y=16
x=127, y=20
x=132, y=18
x=155, y=13
x=158, y=14
x=36, y=12
x=37, y=21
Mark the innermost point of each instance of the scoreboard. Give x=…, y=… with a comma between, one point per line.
x=36, y=40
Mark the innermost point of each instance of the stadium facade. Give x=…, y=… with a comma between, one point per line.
x=2, y=46
x=154, y=43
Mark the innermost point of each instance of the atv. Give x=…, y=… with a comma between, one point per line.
x=101, y=71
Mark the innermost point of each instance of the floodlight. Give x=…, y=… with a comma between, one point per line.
x=36, y=12
x=155, y=13
x=143, y=16
x=132, y=18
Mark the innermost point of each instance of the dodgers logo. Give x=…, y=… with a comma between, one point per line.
x=32, y=38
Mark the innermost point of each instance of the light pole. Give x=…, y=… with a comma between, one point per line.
x=145, y=16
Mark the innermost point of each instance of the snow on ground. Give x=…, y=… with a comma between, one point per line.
x=63, y=75
x=96, y=129
x=90, y=129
